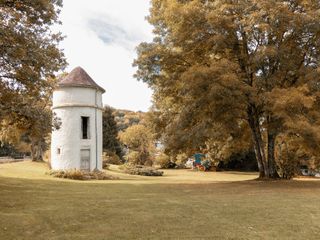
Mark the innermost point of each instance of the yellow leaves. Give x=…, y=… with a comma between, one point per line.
x=136, y=136
x=10, y=132
x=293, y=106
x=224, y=61
x=293, y=98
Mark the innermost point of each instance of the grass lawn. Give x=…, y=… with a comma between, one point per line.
x=181, y=205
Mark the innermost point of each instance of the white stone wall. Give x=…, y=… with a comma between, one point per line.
x=69, y=104
x=76, y=95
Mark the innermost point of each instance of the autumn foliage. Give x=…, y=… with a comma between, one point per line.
x=241, y=74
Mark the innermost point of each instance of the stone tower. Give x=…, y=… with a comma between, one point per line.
x=77, y=102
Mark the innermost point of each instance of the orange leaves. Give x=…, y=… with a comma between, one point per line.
x=228, y=62
x=290, y=101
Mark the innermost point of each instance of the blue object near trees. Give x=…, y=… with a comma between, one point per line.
x=198, y=157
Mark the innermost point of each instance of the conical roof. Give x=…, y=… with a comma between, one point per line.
x=79, y=78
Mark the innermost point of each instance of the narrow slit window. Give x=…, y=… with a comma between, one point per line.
x=85, y=127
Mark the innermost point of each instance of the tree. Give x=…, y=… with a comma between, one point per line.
x=139, y=140
x=126, y=118
x=29, y=53
x=29, y=56
x=32, y=123
x=110, y=132
x=6, y=149
x=227, y=67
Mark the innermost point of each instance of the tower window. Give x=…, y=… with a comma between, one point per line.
x=85, y=127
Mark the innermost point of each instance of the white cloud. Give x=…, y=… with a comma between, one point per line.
x=112, y=34
x=101, y=38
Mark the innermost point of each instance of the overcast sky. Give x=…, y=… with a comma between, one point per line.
x=101, y=37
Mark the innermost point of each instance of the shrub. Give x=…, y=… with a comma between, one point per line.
x=163, y=160
x=105, y=164
x=141, y=170
x=138, y=158
x=241, y=161
x=182, y=158
x=139, y=140
x=81, y=175
x=111, y=158
x=288, y=166
x=133, y=157
x=207, y=164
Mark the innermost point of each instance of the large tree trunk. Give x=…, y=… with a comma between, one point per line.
x=265, y=153
x=259, y=160
x=37, y=150
x=257, y=143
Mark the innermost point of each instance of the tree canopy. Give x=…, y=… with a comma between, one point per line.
x=234, y=71
x=29, y=52
x=29, y=60
x=139, y=141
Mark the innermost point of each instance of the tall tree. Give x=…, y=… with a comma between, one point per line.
x=110, y=132
x=227, y=65
x=29, y=56
x=29, y=52
x=139, y=141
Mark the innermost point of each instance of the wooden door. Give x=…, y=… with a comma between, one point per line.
x=85, y=160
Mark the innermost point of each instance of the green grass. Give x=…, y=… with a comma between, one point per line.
x=36, y=206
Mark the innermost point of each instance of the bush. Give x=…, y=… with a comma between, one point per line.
x=163, y=160
x=111, y=158
x=241, y=161
x=139, y=140
x=105, y=164
x=81, y=175
x=133, y=157
x=141, y=170
x=288, y=166
x=138, y=158
x=182, y=158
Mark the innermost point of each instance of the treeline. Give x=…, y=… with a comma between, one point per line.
x=126, y=136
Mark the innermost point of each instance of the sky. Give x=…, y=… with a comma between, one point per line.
x=101, y=37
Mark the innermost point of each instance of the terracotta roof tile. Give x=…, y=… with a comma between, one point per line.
x=79, y=78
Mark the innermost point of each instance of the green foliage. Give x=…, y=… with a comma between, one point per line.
x=111, y=142
x=6, y=149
